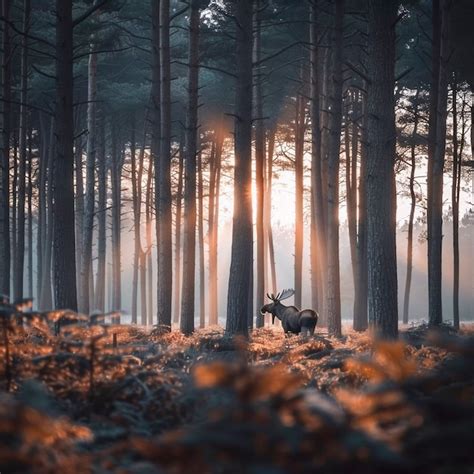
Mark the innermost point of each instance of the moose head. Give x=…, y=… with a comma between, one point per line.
x=275, y=301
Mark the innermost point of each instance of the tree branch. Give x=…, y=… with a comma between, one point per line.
x=358, y=72
x=28, y=35
x=88, y=12
x=100, y=51
x=281, y=51
x=210, y=68
x=178, y=13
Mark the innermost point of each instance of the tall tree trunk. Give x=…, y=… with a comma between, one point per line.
x=462, y=143
x=43, y=166
x=101, y=219
x=239, y=294
x=436, y=150
x=259, y=165
x=351, y=138
x=154, y=165
x=116, y=174
x=79, y=208
x=214, y=188
x=178, y=238
x=317, y=209
x=324, y=118
x=88, y=229
x=210, y=220
x=457, y=157
x=143, y=289
x=163, y=190
x=300, y=127
x=381, y=195
x=202, y=272
x=335, y=119
x=14, y=200
x=149, y=238
x=433, y=116
x=250, y=309
x=360, y=298
x=189, y=237
x=351, y=206
x=64, y=235
x=268, y=212
x=30, y=213
x=46, y=296
x=5, y=109
x=140, y=254
x=136, y=221
x=19, y=263
x=406, y=299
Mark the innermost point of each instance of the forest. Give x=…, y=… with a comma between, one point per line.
x=236, y=236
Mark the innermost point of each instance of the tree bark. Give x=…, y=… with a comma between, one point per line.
x=381, y=196
x=5, y=109
x=101, y=219
x=64, y=234
x=46, y=296
x=300, y=127
x=141, y=255
x=79, y=209
x=88, y=229
x=153, y=166
x=163, y=189
x=30, y=213
x=457, y=157
x=351, y=138
x=202, y=273
x=189, y=237
x=324, y=118
x=14, y=204
x=239, y=294
x=259, y=165
x=178, y=236
x=318, y=231
x=268, y=213
x=335, y=119
x=436, y=151
x=116, y=175
x=406, y=299
x=214, y=188
x=149, y=238
x=360, y=299
x=136, y=221
x=19, y=263
x=143, y=289
x=42, y=170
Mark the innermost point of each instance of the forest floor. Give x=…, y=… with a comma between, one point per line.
x=129, y=400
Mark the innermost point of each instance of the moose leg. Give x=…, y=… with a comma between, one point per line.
x=308, y=330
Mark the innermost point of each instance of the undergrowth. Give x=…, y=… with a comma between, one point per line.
x=104, y=399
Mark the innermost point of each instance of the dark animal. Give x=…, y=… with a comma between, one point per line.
x=292, y=319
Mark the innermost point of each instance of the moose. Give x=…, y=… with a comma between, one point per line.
x=292, y=319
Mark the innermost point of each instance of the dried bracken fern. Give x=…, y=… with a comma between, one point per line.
x=112, y=398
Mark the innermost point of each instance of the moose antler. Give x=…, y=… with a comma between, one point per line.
x=272, y=297
x=282, y=295
x=285, y=294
